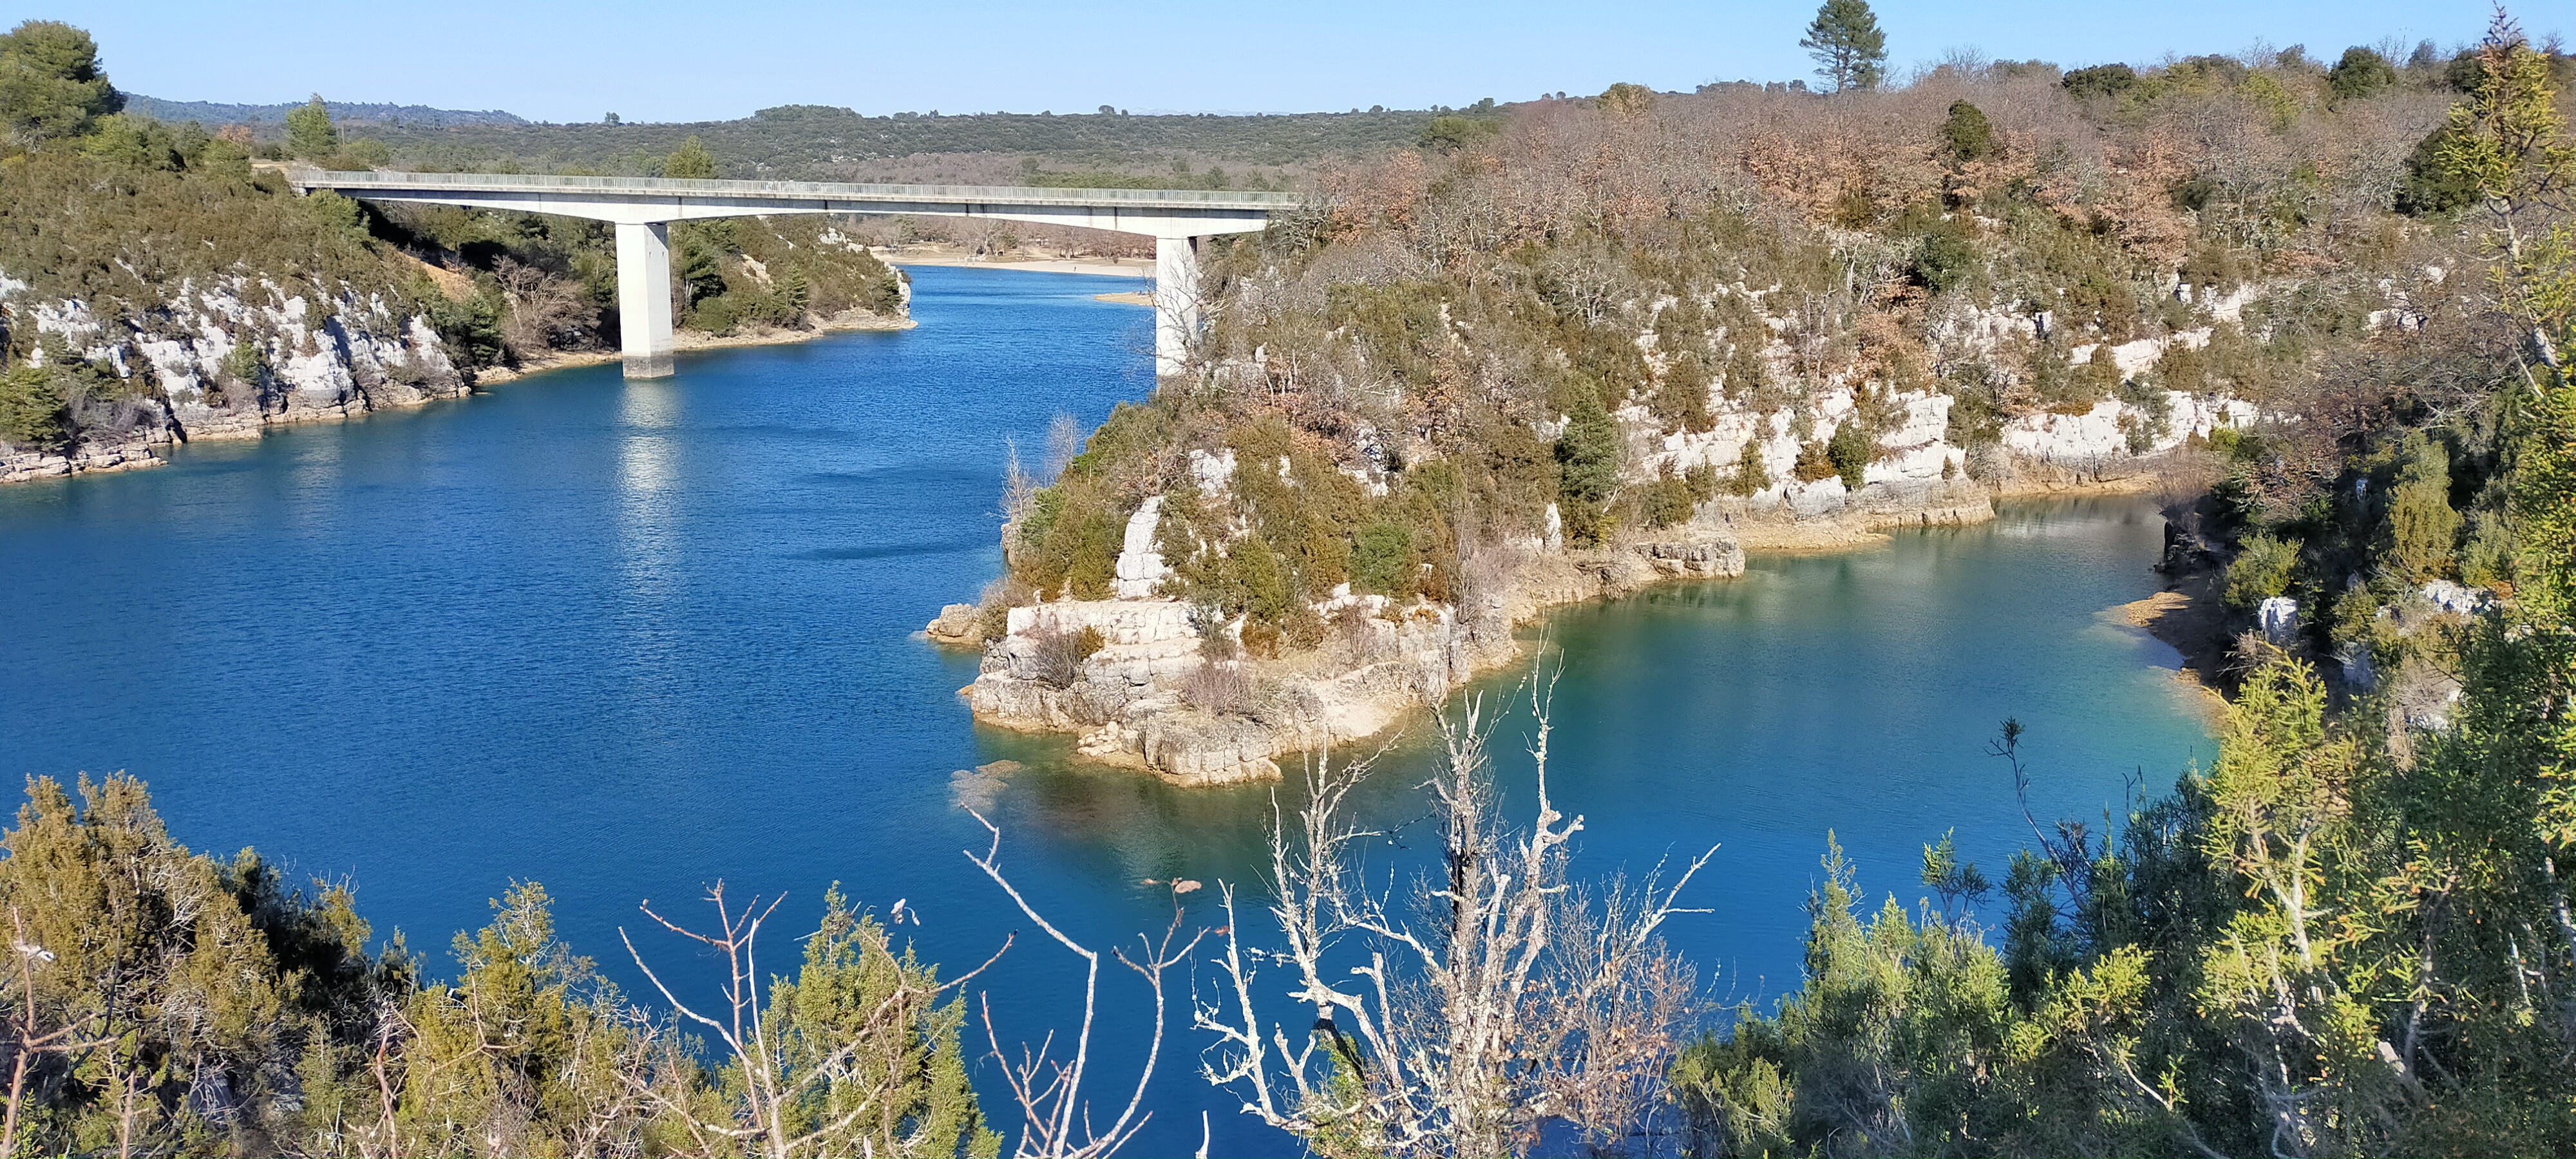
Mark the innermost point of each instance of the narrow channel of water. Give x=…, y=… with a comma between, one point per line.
x=629, y=638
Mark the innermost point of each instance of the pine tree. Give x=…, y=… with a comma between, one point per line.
x=1850, y=51
x=690, y=161
x=310, y=134
x=50, y=84
x=2422, y=526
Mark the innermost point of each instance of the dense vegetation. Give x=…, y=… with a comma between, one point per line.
x=362, y=112
x=2350, y=934
x=2347, y=936
x=165, y=1002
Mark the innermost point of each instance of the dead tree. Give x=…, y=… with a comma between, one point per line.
x=1502, y=999
x=1056, y=1120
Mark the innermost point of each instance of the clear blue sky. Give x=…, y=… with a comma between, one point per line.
x=667, y=60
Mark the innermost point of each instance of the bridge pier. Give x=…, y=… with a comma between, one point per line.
x=644, y=297
x=642, y=207
x=1176, y=302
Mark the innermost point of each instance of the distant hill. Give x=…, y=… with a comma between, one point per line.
x=211, y=113
x=816, y=141
x=822, y=142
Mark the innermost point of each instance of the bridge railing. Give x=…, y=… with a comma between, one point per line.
x=356, y=181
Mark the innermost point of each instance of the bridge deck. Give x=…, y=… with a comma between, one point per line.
x=358, y=183
x=642, y=209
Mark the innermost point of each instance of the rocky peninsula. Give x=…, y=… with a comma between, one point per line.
x=1148, y=680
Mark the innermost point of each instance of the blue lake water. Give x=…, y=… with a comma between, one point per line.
x=627, y=639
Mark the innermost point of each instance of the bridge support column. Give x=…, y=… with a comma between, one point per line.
x=1176, y=302
x=644, y=297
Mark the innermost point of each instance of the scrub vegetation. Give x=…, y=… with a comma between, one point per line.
x=2347, y=936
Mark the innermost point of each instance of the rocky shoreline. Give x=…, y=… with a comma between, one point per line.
x=187, y=413
x=1144, y=685
x=1146, y=693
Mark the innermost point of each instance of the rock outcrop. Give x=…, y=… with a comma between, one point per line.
x=1167, y=692
x=229, y=359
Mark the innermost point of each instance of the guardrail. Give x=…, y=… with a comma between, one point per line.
x=358, y=181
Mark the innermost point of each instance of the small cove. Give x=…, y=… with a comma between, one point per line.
x=627, y=639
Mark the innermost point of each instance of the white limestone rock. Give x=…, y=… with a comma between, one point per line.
x=2456, y=599
x=1140, y=566
x=2279, y=618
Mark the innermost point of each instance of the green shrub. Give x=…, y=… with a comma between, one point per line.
x=31, y=409
x=310, y=135
x=1943, y=260
x=1849, y=452
x=2361, y=73
x=690, y=161
x=1382, y=559
x=2149, y=417
x=1968, y=135
x=1666, y=501
x=2101, y=80
x=1070, y=541
x=2260, y=571
x=2423, y=529
x=2430, y=185
x=1452, y=132
x=53, y=88
x=470, y=328
x=1752, y=474
x=1587, y=457
x=714, y=315
x=1680, y=401
x=1702, y=483
x=2487, y=561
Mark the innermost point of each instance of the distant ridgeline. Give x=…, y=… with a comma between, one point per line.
x=214, y=114
x=815, y=142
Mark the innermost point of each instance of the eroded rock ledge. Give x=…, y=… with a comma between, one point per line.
x=1148, y=691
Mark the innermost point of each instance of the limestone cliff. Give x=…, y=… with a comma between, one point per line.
x=224, y=359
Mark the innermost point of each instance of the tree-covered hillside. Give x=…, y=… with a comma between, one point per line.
x=817, y=142
x=345, y=112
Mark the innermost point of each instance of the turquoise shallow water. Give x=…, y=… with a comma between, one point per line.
x=627, y=639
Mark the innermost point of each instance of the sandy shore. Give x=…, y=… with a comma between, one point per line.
x=2189, y=617
x=843, y=323
x=951, y=256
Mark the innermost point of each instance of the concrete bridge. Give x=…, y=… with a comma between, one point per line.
x=642, y=208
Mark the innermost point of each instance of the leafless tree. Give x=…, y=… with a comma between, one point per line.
x=1018, y=489
x=1064, y=441
x=28, y=1043
x=547, y=311
x=1506, y=998
x=1056, y=1118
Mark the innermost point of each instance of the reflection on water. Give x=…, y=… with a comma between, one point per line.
x=630, y=639
x=1851, y=694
